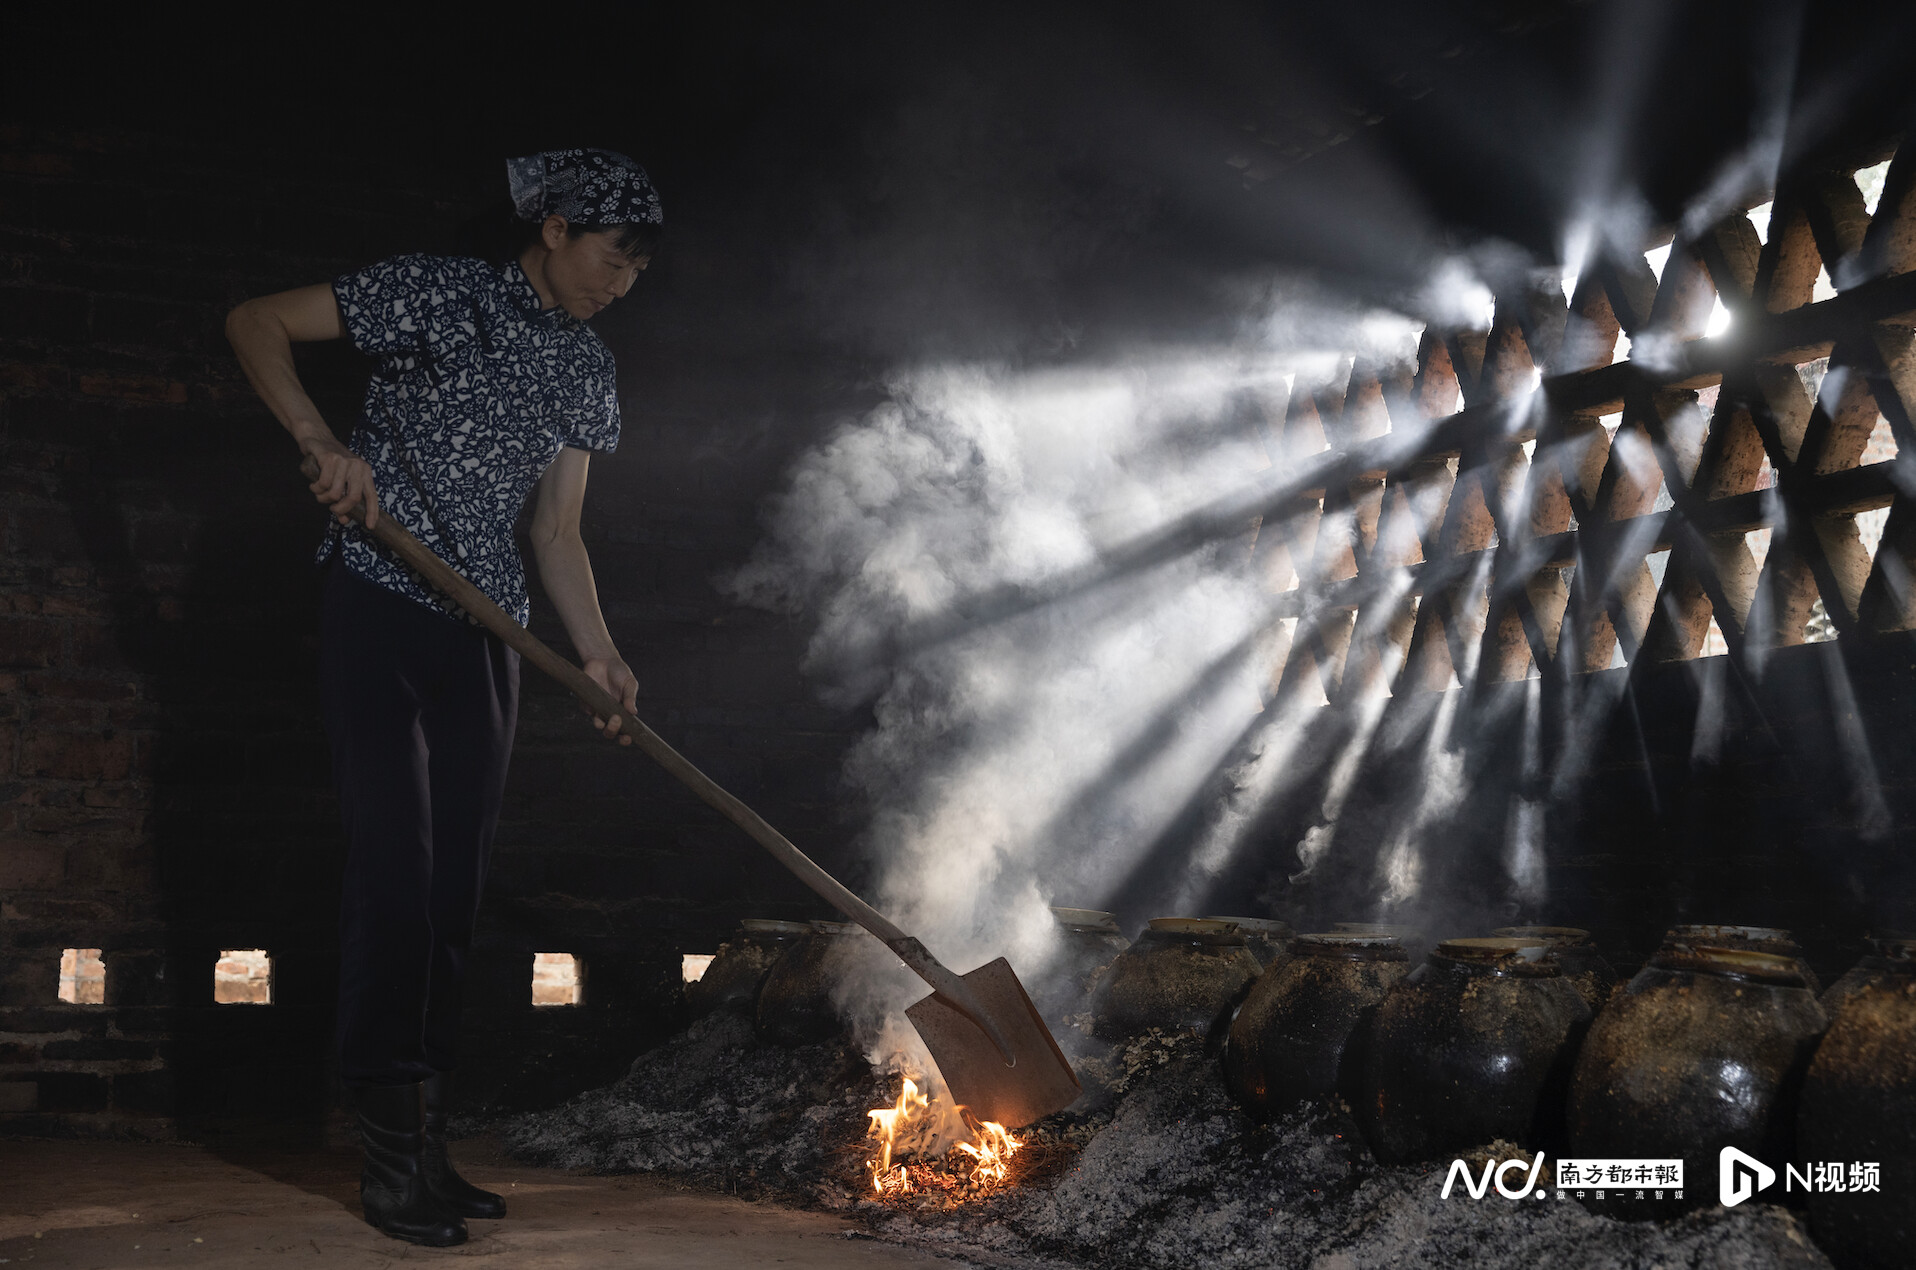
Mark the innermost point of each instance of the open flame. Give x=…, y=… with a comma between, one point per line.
x=910, y=1129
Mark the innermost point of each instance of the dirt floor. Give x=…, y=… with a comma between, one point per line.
x=107, y=1205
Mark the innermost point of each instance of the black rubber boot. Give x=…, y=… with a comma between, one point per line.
x=455, y=1192
x=393, y=1187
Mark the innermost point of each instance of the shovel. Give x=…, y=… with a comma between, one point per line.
x=996, y=1055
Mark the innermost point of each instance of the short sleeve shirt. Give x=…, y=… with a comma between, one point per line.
x=477, y=391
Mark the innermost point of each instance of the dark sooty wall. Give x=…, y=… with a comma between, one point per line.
x=162, y=772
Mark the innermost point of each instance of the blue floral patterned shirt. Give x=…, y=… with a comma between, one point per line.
x=477, y=391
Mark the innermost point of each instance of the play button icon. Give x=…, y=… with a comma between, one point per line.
x=1740, y=1176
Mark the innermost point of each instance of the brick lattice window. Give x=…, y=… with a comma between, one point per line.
x=1602, y=481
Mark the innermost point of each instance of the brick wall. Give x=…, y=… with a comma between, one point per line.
x=163, y=780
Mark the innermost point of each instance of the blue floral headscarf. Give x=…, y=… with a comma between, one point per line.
x=594, y=188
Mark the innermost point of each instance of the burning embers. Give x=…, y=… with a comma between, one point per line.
x=954, y=1171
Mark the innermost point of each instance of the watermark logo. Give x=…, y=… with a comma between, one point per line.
x=1518, y=1179
x=1740, y=1176
x=1495, y=1174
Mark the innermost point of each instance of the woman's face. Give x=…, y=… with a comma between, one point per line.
x=583, y=274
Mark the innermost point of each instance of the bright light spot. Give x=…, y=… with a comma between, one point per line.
x=1719, y=319
x=82, y=977
x=1758, y=542
x=1869, y=529
x=1760, y=220
x=556, y=979
x=1576, y=254
x=1623, y=348
x=1870, y=181
x=1825, y=289
x=243, y=976
x=694, y=965
x=1659, y=562
x=1714, y=645
x=1611, y=423
x=1456, y=296
x=1656, y=258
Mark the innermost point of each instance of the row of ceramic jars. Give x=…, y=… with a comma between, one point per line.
x=1466, y=1048
x=783, y=975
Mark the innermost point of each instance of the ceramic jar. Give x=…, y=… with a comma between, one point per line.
x=1885, y=952
x=1182, y=974
x=731, y=981
x=1292, y=1039
x=1859, y=1107
x=795, y=1005
x=1088, y=942
x=1703, y=1049
x=1269, y=940
x=1583, y=966
x=1768, y=939
x=1471, y=1047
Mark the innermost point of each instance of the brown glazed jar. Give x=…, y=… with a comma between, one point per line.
x=1703, y=1049
x=1583, y=966
x=1767, y=939
x=1088, y=942
x=1885, y=952
x=1289, y=1041
x=1268, y=939
x=795, y=1004
x=1182, y=975
x=1473, y=1046
x=1859, y=1107
x=732, y=980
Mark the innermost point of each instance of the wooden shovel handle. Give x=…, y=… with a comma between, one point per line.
x=449, y=582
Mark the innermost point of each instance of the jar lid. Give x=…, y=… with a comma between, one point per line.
x=1504, y=953
x=1086, y=919
x=837, y=928
x=1390, y=930
x=1346, y=944
x=1556, y=936
x=1191, y=926
x=766, y=926
x=1729, y=936
x=1898, y=948
x=1268, y=927
x=1746, y=962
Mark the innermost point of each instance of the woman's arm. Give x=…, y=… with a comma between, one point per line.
x=262, y=333
x=567, y=574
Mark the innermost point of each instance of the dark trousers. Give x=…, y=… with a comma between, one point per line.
x=420, y=709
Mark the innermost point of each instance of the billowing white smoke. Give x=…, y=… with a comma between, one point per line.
x=972, y=483
x=1048, y=698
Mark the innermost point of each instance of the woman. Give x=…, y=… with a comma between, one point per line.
x=490, y=387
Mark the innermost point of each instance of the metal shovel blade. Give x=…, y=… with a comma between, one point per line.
x=1041, y=1081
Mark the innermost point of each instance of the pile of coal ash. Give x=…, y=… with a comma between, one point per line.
x=715, y=1107
x=1155, y=1167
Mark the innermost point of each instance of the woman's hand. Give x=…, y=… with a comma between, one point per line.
x=613, y=675
x=345, y=479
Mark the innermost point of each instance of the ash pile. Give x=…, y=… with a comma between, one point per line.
x=1190, y=1146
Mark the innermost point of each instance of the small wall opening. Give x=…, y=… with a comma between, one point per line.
x=243, y=976
x=694, y=965
x=82, y=977
x=557, y=979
